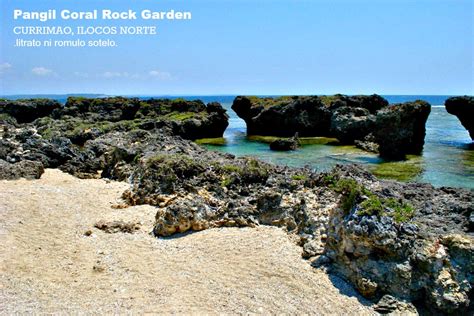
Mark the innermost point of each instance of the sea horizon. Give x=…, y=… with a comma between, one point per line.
x=433, y=99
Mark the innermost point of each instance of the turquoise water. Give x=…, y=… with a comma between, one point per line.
x=447, y=158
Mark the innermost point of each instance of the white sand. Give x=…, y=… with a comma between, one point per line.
x=47, y=264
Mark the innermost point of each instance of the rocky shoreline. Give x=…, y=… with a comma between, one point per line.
x=405, y=245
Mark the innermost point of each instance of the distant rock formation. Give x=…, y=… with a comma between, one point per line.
x=463, y=108
x=367, y=121
x=28, y=110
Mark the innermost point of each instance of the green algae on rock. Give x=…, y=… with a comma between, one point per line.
x=399, y=170
x=219, y=141
x=303, y=140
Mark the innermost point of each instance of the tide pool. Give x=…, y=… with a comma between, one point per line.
x=447, y=158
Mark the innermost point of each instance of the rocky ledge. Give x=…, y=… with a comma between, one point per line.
x=82, y=119
x=367, y=121
x=403, y=245
x=463, y=108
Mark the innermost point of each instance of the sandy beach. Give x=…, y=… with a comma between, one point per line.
x=50, y=265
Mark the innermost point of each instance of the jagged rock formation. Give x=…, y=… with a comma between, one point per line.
x=463, y=108
x=400, y=129
x=189, y=119
x=59, y=135
x=418, y=250
x=28, y=110
x=412, y=242
x=367, y=121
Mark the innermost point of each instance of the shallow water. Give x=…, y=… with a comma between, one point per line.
x=447, y=158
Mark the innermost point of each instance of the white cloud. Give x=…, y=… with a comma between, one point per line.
x=5, y=67
x=163, y=75
x=115, y=74
x=42, y=71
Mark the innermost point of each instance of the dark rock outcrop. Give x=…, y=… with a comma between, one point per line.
x=189, y=119
x=23, y=169
x=400, y=129
x=306, y=115
x=63, y=137
x=367, y=121
x=349, y=124
x=28, y=110
x=463, y=108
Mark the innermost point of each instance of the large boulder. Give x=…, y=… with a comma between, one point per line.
x=400, y=129
x=23, y=169
x=210, y=123
x=28, y=110
x=284, y=145
x=284, y=116
x=463, y=108
x=306, y=115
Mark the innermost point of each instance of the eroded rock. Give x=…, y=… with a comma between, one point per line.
x=463, y=108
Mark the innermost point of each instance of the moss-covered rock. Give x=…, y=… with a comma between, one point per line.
x=82, y=119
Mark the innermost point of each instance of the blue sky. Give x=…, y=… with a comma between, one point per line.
x=254, y=47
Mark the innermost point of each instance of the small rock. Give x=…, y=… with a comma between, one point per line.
x=285, y=144
x=391, y=305
x=99, y=267
x=366, y=287
x=320, y=261
x=117, y=226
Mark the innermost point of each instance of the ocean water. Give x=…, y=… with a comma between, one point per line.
x=447, y=158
